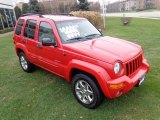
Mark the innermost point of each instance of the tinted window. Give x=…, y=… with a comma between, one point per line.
x=19, y=27
x=45, y=31
x=30, y=27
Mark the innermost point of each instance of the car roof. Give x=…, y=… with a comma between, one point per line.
x=61, y=17
x=56, y=18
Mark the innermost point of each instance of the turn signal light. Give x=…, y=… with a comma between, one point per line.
x=117, y=86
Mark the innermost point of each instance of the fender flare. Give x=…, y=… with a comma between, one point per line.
x=98, y=72
x=22, y=47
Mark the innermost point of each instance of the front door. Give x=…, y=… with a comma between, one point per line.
x=50, y=57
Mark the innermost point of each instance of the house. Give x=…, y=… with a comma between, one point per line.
x=7, y=14
x=132, y=5
x=114, y=7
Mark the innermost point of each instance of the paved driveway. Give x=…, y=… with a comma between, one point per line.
x=155, y=14
x=5, y=34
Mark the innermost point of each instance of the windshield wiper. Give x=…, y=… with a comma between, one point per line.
x=93, y=35
x=77, y=38
x=84, y=38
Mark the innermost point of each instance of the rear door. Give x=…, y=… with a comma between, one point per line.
x=29, y=38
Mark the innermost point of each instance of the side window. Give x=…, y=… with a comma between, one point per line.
x=19, y=27
x=45, y=31
x=29, y=30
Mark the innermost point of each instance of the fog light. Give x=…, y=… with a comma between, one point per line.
x=117, y=86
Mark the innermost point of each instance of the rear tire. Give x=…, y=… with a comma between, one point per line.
x=86, y=91
x=25, y=64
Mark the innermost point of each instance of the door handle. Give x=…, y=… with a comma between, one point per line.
x=23, y=41
x=39, y=46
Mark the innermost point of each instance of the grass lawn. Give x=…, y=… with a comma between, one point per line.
x=44, y=96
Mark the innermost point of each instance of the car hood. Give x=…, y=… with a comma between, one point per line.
x=107, y=49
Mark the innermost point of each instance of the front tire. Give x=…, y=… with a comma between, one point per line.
x=25, y=64
x=86, y=91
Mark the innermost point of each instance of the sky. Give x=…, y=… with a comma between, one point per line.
x=111, y=1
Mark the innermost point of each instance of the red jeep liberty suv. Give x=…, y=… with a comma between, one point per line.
x=74, y=49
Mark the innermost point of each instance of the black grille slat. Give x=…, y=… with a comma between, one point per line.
x=130, y=67
x=136, y=63
x=127, y=69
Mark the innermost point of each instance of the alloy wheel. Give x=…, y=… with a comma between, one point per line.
x=84, y=92
x=24, y=63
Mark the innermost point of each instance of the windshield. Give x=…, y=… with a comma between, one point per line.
x=77, y=30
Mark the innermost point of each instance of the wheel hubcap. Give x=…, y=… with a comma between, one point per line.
x=84, y=92
x=24, y=63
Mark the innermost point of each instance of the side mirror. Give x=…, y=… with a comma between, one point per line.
x=48, y=42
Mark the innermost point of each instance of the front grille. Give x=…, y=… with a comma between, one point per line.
x=133, y=65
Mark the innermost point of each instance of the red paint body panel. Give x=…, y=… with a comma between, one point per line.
x=95, y=56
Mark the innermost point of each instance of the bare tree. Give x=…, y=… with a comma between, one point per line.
x=57, y=6
x=94, y=6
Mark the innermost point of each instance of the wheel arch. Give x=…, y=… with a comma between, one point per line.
x=99, y=75
x=19, y=50
x=75, y=71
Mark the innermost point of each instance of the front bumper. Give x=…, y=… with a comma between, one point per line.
x=127, y=82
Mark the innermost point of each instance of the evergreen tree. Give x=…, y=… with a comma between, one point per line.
x=25, y=8
x=83, y=5
x=18, y=12
x=34, y=6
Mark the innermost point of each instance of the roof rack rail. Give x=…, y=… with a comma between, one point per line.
x=65, y=14
x=33, y=14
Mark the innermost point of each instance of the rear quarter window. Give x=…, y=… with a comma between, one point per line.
x=19, y=27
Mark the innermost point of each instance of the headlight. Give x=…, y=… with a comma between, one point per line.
x=117, y=68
